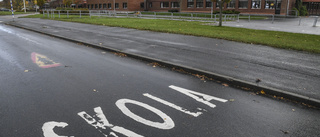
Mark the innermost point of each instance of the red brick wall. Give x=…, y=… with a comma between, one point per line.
x=134, y=5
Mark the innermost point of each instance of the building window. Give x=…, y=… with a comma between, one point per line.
x=104, y=6
x=190, y=4
x=96, y=6
x=270, y=4
x=199, y=4
x=109, y=6
x=256, y=4
x=217, y=5
x=243, y=4
x=124, y=5
x=175, y=4
x=150, y=5
x=117, y=5
x=88, y=6
x=142, y=5
x=164, y=4
x=208, y=3
x=91, y=6
x=231, y=4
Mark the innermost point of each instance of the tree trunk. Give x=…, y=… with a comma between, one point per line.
x=220, y=16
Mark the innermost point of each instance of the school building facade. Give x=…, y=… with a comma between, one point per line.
x=282, y=7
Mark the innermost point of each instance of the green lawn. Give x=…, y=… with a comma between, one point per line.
x=9, y=13
x=285, y=40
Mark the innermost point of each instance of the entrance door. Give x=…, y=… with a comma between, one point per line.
x=278, y=7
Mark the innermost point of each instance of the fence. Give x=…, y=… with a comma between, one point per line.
x=157, y=15
x=204, y=17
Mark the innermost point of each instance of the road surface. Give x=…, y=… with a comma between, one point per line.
x=51, y=87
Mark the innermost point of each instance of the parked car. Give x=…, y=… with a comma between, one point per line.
x=4, y=9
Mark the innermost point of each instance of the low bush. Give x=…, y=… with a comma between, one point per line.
x=173, y=10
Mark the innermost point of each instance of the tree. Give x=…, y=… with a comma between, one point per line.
x=40, y=3
x=67, y=3
x=221, y=3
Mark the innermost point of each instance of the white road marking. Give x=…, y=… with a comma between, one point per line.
x=103, y=123
x=47, y=128
x=205, y=98
x=167, y=124
x=172, y=105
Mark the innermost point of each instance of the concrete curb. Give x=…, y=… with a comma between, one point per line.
x=237, y=83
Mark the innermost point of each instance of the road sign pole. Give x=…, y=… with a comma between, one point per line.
x=12, y=10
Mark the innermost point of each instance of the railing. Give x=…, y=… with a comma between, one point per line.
x=316, y=18
x=203, y=17
x=157, y=15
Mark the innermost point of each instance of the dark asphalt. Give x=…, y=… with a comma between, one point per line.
x=88, y=78
x=292, y=71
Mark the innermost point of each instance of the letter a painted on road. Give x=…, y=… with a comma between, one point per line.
x=43, y=61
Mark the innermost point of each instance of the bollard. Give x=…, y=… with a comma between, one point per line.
x=43, y=13
x=127, y=14
x=315, y=21
x=48, y=13
x=272, y=19
x=215, y=17
x=171, y=15
x=59, y=13
x=299, y=21
x=67, y=14
x=238, y=18
x=191, y=16
x=225, y=18
x=249, y=17
x=90, y=13
x=155, y=15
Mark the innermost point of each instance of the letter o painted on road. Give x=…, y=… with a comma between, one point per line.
x=167, y=124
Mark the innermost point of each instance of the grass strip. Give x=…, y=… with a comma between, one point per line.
x=284, y=40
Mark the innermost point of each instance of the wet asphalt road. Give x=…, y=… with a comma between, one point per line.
x=33, y=98
x=292, y=71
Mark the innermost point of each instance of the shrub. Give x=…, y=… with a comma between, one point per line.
x=173, y=10
x=228, y=12
x=303, y=11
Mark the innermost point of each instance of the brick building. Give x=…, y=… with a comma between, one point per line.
x=282, y=7
x=313, y=6
x=244, y=6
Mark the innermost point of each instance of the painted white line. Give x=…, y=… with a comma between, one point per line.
x=172, y=105
x=205, y=98
x=103, y=123
x=167, y=124
x=47, y=128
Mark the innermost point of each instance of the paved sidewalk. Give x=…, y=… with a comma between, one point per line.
x=286, y=70
x=282, y=24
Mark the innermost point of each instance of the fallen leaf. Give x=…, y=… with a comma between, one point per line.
x=262, y=92
x=226, y=85
x=231, y=100
x=26, y=70
x=293, y=110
